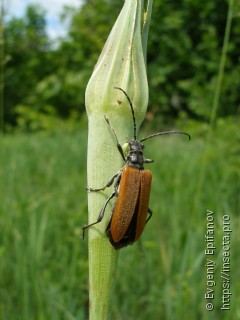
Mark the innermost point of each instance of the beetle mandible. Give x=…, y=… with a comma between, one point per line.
x=131, y=188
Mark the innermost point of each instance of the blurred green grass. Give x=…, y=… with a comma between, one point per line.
x=43, y=261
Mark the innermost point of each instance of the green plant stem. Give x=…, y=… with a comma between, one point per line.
x=215, y=105
x=222, y=64
x=104, y=161
x=146, y=25
x=121, y=64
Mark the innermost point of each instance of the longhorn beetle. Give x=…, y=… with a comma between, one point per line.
x=132, y=189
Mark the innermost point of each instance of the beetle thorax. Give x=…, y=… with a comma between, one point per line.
x=135, y=155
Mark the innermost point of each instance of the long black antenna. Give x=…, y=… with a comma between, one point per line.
x=165, y=132
x=133, y=115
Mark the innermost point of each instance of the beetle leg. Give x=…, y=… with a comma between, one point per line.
x=110, y=182
x=147, y=160
x=117, y=182
x=150, y=215
x=100, y=217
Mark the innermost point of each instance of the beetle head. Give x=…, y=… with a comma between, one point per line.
x=135, y=155
x=135, y=146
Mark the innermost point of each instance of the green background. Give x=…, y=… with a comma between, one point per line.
x=43, y=260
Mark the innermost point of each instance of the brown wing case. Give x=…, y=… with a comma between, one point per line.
x=126, y=202
x=143, y=201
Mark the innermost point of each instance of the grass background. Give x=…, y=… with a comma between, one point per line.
x=43, y=261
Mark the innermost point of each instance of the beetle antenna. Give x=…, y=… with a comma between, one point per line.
x=114, y=132
x=133, y=115
x=165, y=132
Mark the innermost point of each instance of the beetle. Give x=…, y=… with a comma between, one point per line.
x=131, y=188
